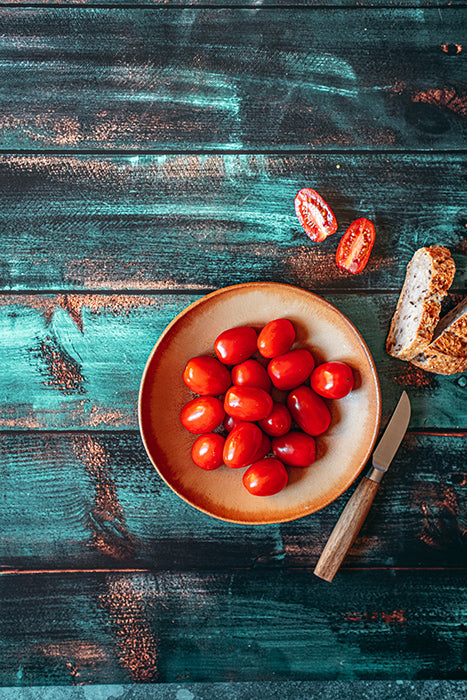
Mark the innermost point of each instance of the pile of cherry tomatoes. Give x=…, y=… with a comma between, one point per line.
x=257, y=396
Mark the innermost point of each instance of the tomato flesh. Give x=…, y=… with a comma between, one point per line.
x=315, y=215
x=265, y=477
x=202, y=414
x=309, y=410
x=236, y=345
x=207, y=451
x=242, y=445
x=355, y=246
x=333, y=380
x=295, y=449
x=247, y=403
x=276, y=338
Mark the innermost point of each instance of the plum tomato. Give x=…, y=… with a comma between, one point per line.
x=354, y=249
x=241, y=445
x=278, y=422
x=202, y=414
x=265, y=477
x=276, y=338
x=309, y=410
x=291, y=369
x=235, y=345
x=230, y=423
x=207, y=451
x=206, y=376
x=315, y=215
x=251, y=373
x=263, y=449
x=333, y=380
x=295, y=449
x=247, y=403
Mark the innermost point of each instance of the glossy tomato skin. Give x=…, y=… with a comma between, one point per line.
x=355, y=246
x=230, y=423
x=247, y=403
x=265, y=477
x=263, y=449
x=206, y=376
x=291, y=369
x=207, y=451
x=278, y=422
x=333, y=380
x=251, y=373
x=276, y=338
x=315, y=215
x=241, y=445
x=202, y=414
x=236, y=345
x=295, y=449
x=309, y=410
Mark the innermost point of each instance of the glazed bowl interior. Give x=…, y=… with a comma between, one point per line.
x=341, y=452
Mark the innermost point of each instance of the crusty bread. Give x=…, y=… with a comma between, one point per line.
x=428, y=278
x=447, y=352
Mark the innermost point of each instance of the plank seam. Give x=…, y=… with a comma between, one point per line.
x=206, y=151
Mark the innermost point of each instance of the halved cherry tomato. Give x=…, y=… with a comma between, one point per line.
x=236, y=345
x=265, y=477
x=354, y=249
x=295, y=449
x=309, y=410
x=315, y=215
x=291, y=369
x=242, y=445
x=247, y=403
x=230, y=423
x=206, y=376
x=251, y=373
x=276, y=338
x=279, y=420
x=207, y=449
x=202, y=414
x=333, y=380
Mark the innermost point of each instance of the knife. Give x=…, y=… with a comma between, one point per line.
x=356, y=510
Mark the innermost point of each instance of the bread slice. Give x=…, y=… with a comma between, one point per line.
x=447, y=352
x=428, y=278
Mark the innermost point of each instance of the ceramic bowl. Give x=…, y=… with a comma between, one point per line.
x=341, y=452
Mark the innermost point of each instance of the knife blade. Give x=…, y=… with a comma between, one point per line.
x=354, y=514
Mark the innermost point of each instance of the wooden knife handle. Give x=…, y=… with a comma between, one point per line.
x=346, y=529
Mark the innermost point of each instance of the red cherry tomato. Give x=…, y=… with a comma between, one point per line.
x=206, y=376
x=230, y=423
x=265, y=477
x=206, y=451
x=236, y=345
x=276, y=338
x=295, y=449
x=333, y=380
x=263, y=449
x=251, y=373
x=202, y=415
x=309, y=410
x=291, y=369
x=315, y=216
x=241, y=445
x=354, y=249
x=247, y=403
x=279, y=420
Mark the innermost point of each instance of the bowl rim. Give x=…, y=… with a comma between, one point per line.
x=276, y=285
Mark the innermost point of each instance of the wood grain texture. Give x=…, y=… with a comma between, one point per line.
x=76, y=361
x=231, y=626
x=231, y=79
x=71, y=501
x=227, y=4
x=207, y=221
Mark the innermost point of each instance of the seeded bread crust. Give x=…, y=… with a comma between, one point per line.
x=450, y=335
x=439, y=362
x=441, y=276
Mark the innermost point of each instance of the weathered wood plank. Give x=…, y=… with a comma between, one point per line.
x=257, y=79
x=122, y=222
x=221, y=4
x=75, y=361
x=93, y=501
x=65, y=629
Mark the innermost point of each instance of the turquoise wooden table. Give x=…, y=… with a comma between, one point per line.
x=150, y=153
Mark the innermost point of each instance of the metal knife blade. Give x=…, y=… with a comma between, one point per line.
x=392, y=438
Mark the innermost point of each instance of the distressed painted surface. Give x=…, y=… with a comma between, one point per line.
x=207, y=221
x=269, y=79
x=94, y=501
x=76, y=361
x=231, y=626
